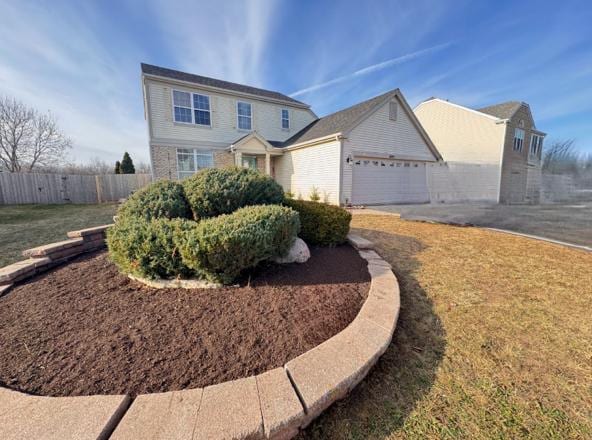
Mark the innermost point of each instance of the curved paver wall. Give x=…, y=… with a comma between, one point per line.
x=272, y=405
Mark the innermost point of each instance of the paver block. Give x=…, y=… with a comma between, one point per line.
x=359, y=242
x=373, y=257
x=230, y=410
x=48, y=249
x=88, y=231
x=94, y=244
x=5, y=288
x=166, y=416
x=15, y=271
x=58, y=418
x=281, y=409
x=383, y=302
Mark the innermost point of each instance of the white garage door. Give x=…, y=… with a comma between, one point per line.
x=380, y=181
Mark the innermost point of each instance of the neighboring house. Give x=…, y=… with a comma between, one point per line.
x=373, y=152
x=491, y=154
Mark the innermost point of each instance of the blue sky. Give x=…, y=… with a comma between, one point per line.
x=81, y=60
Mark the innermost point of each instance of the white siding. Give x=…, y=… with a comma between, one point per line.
x=379, y=135
x=299, y=170
x=266, y=118
x=463, y=182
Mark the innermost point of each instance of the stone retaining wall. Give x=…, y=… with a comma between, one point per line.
x=272, y=405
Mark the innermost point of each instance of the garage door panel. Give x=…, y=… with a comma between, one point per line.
x=393, y=182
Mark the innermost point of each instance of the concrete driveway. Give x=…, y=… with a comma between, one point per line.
x=571, y=223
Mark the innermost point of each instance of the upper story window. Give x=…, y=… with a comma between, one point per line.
x=393, y=111
x=518, y=139
x=285, y=119
x=191, y=108
x=536, y=145
x=190, y=161
x=244, y=115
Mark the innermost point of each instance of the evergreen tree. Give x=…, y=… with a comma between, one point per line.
x=117, y=167
x=127, y=166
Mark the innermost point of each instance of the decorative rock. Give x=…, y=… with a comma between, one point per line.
x=176, y=283
x=298, y=253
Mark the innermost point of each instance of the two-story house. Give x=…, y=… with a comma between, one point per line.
x=373, y=152
x=492, y=153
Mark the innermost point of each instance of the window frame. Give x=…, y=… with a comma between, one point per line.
x=287, y=118
x=538, y=146
x=518, y=146
x=250, y=117
x=195, y=152
x=192, y=108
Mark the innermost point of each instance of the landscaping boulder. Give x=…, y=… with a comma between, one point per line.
x=298, y=253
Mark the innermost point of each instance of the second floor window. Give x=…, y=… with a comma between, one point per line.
x=518, y=139
x=536, y=145
x=285, y=119
x=244, y=115
x=191, y=108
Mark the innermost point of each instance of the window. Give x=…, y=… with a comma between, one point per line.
x=393, y=111
x=536, y=146
x=285, y=119
x=249, y=162
x=244, y=115
x=518, y=139
x=188, y=110
x=190, y=161
x=182, y=106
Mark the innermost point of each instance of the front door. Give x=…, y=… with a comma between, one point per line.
x=249, y=162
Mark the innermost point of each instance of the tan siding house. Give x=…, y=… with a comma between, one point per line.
x=491, y=154
x=375, y=152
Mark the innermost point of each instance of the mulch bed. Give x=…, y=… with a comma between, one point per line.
x=84, y=328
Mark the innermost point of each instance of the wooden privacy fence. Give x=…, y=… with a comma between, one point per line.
x=18, y=189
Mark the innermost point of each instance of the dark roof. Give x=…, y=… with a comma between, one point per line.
x=218, y=83
x=336, y=122
x=505, y=110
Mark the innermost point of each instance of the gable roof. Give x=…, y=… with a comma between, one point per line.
x=337, y=122
x=345, y=120
x=505, y=110
x=150, y=69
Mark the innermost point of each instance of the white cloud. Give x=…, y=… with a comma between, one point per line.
x=372, y=68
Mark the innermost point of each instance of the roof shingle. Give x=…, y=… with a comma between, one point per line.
x=336, y=122
x=150, y=69
x=505, y=110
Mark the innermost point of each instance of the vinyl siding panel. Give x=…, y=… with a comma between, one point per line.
x=453, y=182
x=299, y=170
x=461, y=135
x=266, y=118
x=379, y=135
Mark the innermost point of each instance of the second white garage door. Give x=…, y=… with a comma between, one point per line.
x=379, y=181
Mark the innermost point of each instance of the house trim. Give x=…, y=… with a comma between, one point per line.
x=485, y=115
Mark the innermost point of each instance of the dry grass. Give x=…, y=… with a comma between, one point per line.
x=26, y=226
x=494, y=340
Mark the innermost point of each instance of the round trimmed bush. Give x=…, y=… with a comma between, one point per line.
x=321, y=224
x=146, y=248
x=161, y=199
x=220, y=248
x=217, y=191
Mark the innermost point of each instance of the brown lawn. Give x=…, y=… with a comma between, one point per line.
x=494, y=339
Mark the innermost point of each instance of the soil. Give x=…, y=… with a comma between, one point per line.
x=84, y=328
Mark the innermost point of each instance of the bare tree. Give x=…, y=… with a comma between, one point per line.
x=29, y=138
x=561, y=157
x=143, y=168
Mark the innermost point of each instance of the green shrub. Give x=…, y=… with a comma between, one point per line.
x=314, y=194
x=146, y=248
x=216, y=191
x=161, y=199
x=321, y=224
x=220, y=248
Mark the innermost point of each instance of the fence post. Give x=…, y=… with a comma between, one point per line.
x=99, y=189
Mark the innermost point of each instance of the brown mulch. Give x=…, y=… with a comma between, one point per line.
x=86, y=329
